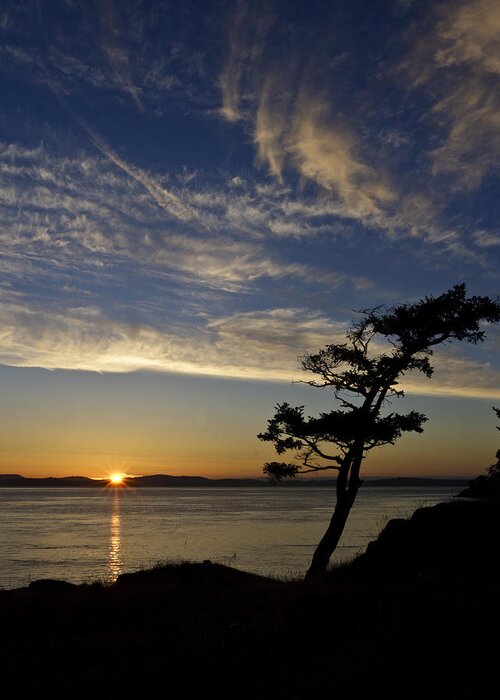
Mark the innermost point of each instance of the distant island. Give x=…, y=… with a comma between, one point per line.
x=168, y=481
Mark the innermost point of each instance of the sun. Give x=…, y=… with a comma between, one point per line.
x=116, y=479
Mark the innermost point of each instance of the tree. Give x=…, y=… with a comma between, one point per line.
x=364, y=373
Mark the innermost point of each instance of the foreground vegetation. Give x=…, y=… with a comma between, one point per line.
x=411, y=617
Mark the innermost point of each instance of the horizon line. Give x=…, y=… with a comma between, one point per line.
x=240, y=478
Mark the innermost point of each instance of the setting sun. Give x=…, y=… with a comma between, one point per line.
x=116, y=479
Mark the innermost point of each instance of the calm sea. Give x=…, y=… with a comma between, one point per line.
x=89, y=534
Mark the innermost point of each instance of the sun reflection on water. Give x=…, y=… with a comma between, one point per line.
x=115, y=563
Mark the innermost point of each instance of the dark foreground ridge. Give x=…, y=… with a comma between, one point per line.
x=168, y=481
x=482, y=487
x=411, y=618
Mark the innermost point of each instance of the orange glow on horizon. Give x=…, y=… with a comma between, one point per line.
x=117, y=479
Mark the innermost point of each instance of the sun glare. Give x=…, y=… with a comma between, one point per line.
x=116, y=479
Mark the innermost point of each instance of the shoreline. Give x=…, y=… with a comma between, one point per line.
x=387, y=625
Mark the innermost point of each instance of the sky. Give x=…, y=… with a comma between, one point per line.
x=194, y=194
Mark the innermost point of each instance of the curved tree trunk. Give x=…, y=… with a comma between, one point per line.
x=347, y=491
x=328, y=542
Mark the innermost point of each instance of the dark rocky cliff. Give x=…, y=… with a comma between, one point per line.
x=451, y=536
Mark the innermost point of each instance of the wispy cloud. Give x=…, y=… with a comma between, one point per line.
x=165, y=199
x=293, y=122
x=331, y=149
x=487, y=239
x=298, y=124
x=247, y=35
x=83, y=210
x=254, y=345
x=457, y=376
x=115, y=47
x=81, y=213
x=326, y=153
x=295, y=109
x=458, y=62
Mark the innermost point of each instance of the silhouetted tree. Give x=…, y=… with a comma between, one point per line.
x=364, y=373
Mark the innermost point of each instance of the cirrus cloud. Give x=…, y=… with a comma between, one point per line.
x=260, y=346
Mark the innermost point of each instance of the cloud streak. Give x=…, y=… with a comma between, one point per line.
x=247, y=33
x=81, y=212
x=165, y=199
x=292, y=125
x=113, y=45
x=458, y=60
x=295, y=108
x=311, y=135
x=255, y=345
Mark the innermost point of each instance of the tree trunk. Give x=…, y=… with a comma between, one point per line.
x=328, y=542
x=346, y=495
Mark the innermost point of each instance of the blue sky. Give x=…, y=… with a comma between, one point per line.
x=209, y=189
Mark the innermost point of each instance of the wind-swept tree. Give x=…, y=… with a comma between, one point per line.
x=364, y=373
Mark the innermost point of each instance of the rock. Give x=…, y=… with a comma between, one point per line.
x=482, y=487
x=450, y=537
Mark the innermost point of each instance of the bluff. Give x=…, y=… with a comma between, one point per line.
x=454, y=536
x=482, y=487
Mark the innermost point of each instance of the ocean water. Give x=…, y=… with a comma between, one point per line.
x=83, y=535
